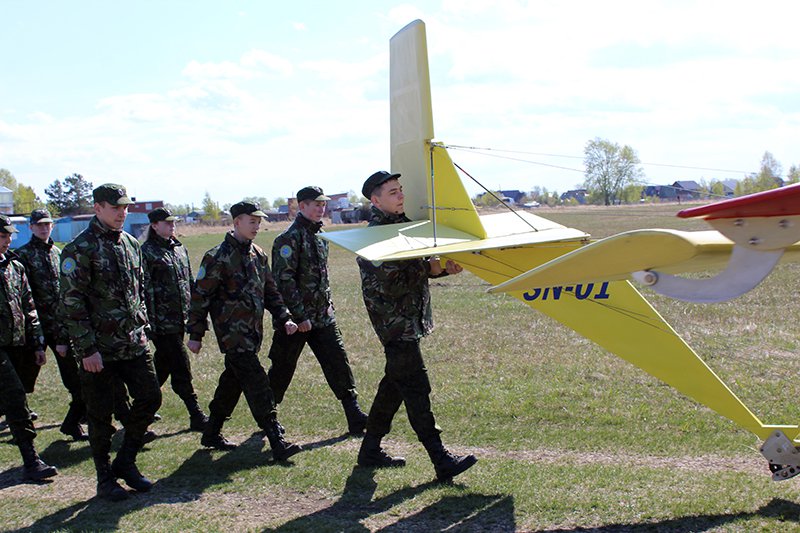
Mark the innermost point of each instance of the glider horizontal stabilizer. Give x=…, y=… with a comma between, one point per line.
x=423, y=238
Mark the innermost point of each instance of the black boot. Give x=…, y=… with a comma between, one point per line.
x=446, y=464
x=356, y=418
x=71, y=425
x=107, y=486
x=35, y=469
x=372, y=455
x=281, y=449
x=197, y=418
x=212, y=435
x=124, y=466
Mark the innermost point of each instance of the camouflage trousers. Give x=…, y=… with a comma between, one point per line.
x=243, y=374
x=328, y=348
x=405, y=381
x=24, y=362
x=12, y=398
x=172, y=361
x=100, y=391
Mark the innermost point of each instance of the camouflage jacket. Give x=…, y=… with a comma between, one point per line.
x=168, y=284
x=102, y=293
x=17, y=312
x=396, y=293
x=234, y=286
x=41, y=260
x=300, y=269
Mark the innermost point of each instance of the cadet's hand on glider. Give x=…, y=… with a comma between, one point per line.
x=194, y=346
x=61, y=350
x=303, y=326
x=291, y=327
x=452, y=267
x=435, y=265
x=93, y=363
x=41, y=358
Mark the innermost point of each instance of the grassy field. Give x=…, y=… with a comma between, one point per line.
x=568, y=436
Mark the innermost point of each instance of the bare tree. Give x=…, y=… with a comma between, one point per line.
x=610, y=169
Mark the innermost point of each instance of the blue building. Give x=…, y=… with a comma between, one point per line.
x=67, y=228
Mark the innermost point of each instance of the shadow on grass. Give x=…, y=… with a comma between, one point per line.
x=470, y=512
x=779, y=509
x=326, y=442
x=204, y=469
x=15, y=476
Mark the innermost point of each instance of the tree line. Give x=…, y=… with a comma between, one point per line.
x=613, y=174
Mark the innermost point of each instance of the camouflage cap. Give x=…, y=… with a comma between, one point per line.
x=6, y=226
x=247, y=208
x=161, y=213
x=112, y=193
x=311, y=193
x=40, y=215
x=379, y=178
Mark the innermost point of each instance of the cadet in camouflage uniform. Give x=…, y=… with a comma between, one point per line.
x=168, y=283
x=234, y=285
x=102, y=297
x=398, y=302
x=42, y=260
x=20, y=333
x=300, y=269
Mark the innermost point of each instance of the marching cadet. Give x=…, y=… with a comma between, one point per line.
x=300, y=269
x=397, y=299
x=41, y=259
x=102, y=297
x=234, y=285
x=168, y=282
x=21, y=334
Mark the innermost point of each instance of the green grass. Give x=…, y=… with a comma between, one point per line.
x=568, y=435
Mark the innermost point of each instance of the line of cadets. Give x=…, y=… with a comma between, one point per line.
x=105, y=296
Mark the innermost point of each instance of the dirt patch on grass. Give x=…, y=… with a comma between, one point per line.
x=748, y=464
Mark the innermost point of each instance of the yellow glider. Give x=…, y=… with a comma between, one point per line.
x=505, y=250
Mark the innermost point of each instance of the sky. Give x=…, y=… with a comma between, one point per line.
x=179, y=99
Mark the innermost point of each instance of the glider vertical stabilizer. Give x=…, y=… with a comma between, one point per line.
x=447, y=202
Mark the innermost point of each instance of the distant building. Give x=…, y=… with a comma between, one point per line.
x=195, y=216
x=337, y=202
x=6, y=200
x=579, y=195
x=665, y=193
x=137, y=221
x=64, y=229
x=278, y=215
x=686, y=190
x=729, y=187
x=511, y=196
x=67, y=228
x=144, y=207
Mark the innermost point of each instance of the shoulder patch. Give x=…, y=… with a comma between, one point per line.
x=68, y=266
x=286, y=251
x=201, y=273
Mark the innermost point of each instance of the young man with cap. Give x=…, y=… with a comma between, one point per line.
x=103, y=308
x=42, y=260
x=234, y=286
x=168, y=289
x=300, y=269
x=397, y=299
x=20, y=333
